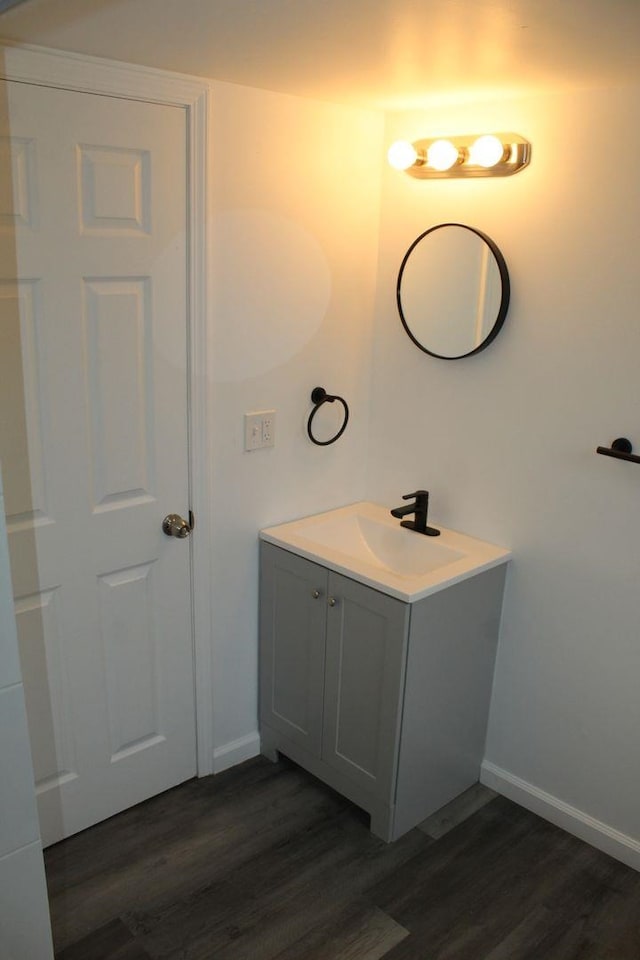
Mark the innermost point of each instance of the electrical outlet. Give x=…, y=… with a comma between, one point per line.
x=259, y=429
x=268, y=428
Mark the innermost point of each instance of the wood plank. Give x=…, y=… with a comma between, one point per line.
x=359, y=932
x=458, y=810
x=113, y=941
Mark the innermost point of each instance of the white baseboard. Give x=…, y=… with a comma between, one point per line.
x=236, y=751
x=574, y=821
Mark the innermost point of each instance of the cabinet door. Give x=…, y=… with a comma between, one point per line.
x=293, y=597
x=364, y=674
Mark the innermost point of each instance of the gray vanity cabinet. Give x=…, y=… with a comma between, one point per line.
x=385, y=701
x=331, y=665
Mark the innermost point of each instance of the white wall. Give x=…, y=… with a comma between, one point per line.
x=25, y=932
x=505, y=441
x=294, y=206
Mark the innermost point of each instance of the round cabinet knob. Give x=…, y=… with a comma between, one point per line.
x=332, y=601
x=315, y=594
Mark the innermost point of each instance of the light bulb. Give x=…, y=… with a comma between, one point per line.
x=442, y=155
x=486, y=151
x=402, y=155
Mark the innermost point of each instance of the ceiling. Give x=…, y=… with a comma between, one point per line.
x=392, y=54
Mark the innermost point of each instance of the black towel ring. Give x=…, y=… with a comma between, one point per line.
x=319, y=396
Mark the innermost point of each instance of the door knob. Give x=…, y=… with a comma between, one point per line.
x=332, y=601
x=176, y=526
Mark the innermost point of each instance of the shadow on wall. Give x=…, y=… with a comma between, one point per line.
x=21, y=452
x=24, y=918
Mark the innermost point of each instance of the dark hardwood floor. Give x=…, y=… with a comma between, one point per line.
x=263, y=862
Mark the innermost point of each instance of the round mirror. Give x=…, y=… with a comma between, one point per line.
x=453, y=291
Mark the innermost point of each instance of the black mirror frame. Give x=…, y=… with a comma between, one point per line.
x=504, y=302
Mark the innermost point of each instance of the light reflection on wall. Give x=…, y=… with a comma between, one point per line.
x=271, y=287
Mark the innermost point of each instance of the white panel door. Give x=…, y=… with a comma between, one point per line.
x=93, y=439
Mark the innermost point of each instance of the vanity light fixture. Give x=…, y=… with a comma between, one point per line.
x=486, y=155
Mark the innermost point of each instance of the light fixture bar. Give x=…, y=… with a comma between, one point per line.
x=478, y=155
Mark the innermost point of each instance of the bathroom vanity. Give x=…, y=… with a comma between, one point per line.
x=377, y=649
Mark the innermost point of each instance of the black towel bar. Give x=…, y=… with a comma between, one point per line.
x=620, y=449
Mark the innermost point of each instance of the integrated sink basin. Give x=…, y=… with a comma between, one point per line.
x=364, y=542
x=372, y=540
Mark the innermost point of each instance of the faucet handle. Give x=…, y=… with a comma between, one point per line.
x=418, y=493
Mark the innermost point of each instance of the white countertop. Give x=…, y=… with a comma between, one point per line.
x=363, y=541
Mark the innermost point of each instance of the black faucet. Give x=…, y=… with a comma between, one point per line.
x=419, y=508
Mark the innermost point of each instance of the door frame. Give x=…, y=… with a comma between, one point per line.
x=84, y=74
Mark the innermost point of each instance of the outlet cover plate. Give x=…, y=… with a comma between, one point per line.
x=259, y=429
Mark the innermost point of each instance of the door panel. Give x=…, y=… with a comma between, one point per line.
x=292, y=628
x=118, y=330
x=93, y=331
x=126, y=608
x=46, y=684
x=366, y=643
